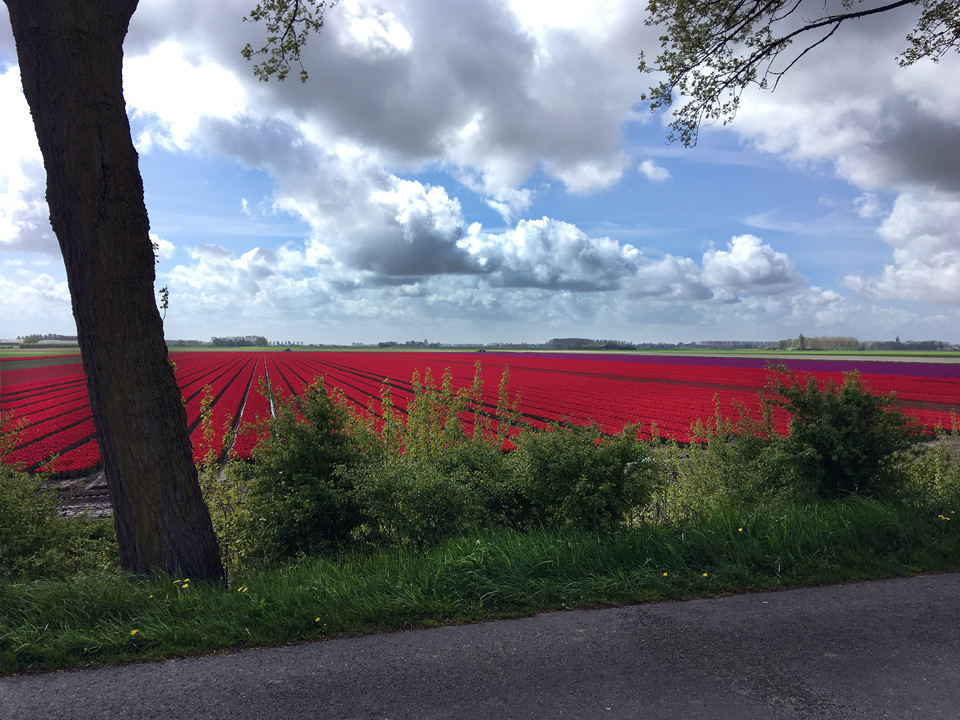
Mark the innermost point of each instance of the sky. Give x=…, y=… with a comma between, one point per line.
x=485, y=171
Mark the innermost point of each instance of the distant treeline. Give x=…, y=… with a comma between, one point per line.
x=37, y=337
x=852, y=343
x=588, y=344
x=240, y=341
x=817, y=343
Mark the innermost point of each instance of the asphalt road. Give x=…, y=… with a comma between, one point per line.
x=888, y=649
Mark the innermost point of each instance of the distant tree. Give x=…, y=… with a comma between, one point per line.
x=32, y=339
x=712, y=50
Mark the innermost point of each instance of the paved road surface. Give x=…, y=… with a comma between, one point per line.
x=888, y=649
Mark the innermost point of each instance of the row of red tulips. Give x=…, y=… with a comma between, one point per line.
x=55, y=415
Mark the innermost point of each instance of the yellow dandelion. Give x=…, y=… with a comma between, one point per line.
x=134, y=632
x=739, y=529
x=151, y=597
x=665, y=574
x=317, y=620
x=704, y=574
x=184, y=586
x=176, y=582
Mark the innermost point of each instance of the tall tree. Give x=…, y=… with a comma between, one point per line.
x=70, y=56
x=712, y=50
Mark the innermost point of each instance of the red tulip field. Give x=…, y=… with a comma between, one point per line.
x=665, y=395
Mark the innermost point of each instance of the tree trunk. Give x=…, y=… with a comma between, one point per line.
x=71, y=53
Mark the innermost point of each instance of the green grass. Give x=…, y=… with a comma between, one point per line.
x=89, y=621
x=15, y=352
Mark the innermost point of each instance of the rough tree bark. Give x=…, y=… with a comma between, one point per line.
x=70, y=54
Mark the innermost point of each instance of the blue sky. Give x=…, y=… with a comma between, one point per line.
x=484, y=171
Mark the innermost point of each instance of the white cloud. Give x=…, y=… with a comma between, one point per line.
x=750, y=265
x=24, y=217
x=369, y=31
x=164, y=249
x=653, y=172
x=553, y=254
x=176, y=91
x=925, y=234
x=868, y=205
x=33, y=301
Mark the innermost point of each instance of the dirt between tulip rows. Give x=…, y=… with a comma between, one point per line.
x=87, y=495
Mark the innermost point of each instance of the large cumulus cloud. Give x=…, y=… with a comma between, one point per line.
x=503, y=102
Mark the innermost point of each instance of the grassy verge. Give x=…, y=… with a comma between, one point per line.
x=15, y=352
x=89, y=621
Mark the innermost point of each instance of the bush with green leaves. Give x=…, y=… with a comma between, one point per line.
x=842, y=439
x=722, y=463
x=415, y=503
x=425, y=477
x=933, y=476
x=577, y=477
x=296, y=502
x=36, y=543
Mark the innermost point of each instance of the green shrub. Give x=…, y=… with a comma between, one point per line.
x=842, y=439
x=36, y=543
x=296, y=501
x=933, y=476
x=574, y=476
x=481, y=463
x=410, y=502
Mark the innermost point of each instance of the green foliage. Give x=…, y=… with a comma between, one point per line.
x=842, y=439
x=426, y=479
x=36, y=543
x=9, y=432
x=225, y=491
x=575, y=476
x=416, y=503
x=289, y=23
x=933, y=476
x=296, y=501
x=720, y=466
x=711, y=51
x=937, y=32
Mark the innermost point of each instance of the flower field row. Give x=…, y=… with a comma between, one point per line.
x=663, y=395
